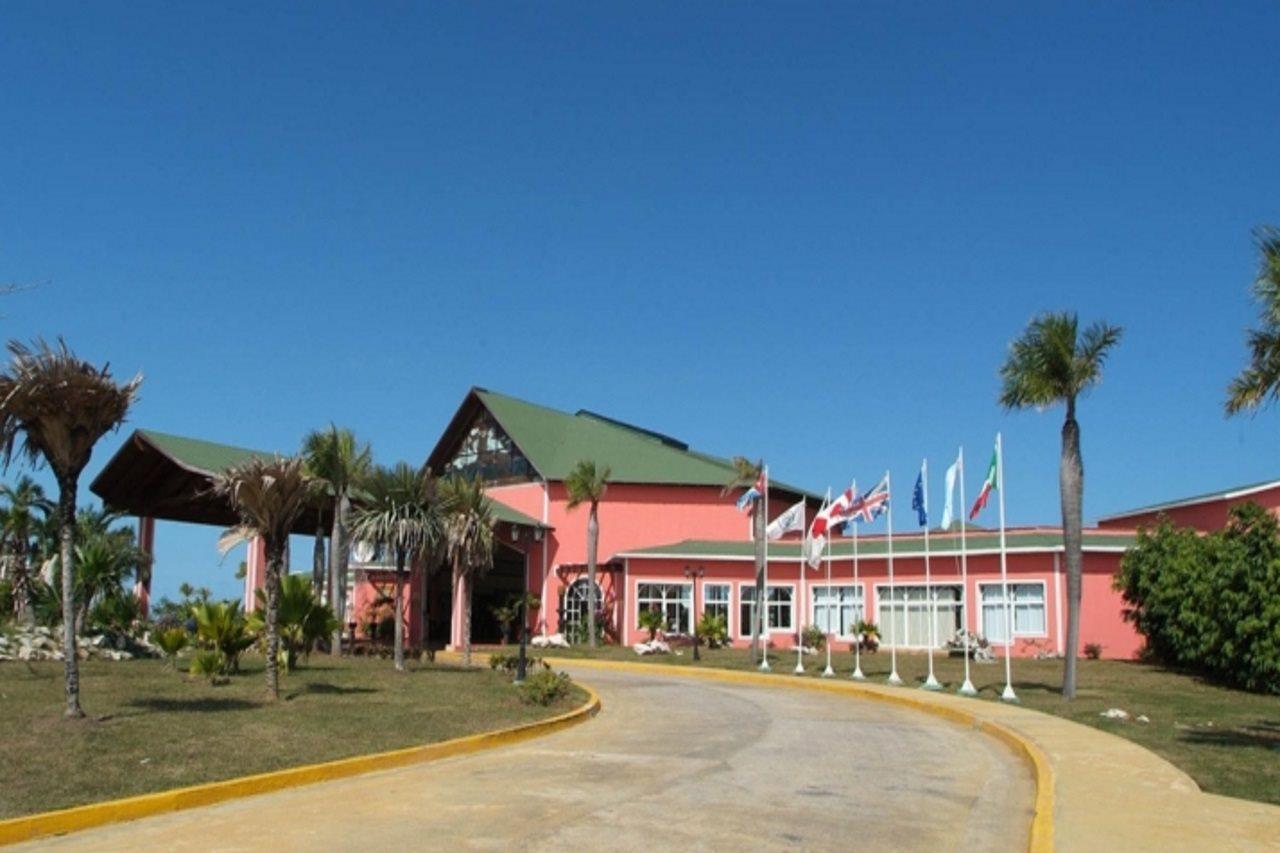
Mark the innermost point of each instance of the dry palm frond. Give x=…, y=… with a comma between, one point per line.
x=268, y=494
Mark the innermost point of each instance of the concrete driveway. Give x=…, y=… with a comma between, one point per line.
x=668, y=764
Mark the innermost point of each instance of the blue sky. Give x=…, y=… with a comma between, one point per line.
x=799, y=231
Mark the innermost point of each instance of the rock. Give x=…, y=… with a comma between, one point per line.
x=1143, y=718
x=1115, y=714
x=656, y=647
x=552, y=641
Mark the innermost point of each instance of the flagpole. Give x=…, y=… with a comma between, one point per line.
x=828, y=672
x=894, y=678
x=857, y=590
x=931, y=683
x=804, y=541
x=967, y=688
x=763, y=606
x=1008, y=695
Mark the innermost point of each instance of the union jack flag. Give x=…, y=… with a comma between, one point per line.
x=871, y=505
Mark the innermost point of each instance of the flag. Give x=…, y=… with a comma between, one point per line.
x=753, y=494
x=948, y=511
x=791, y=521
x=872, y=504
x=842, y=506
x=987, y=485
x=817, y=539
x=918, y=502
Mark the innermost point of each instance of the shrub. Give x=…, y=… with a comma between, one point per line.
x=712, y=630
x=6, y=600
x=813, y=637
x=1093, y=651
x=208, y=663
x=868, y=636
x=510, y=663
x=577, y=632
x=652, y=621
x=223, y=629
x=543, y=688
x=171, y=641
x=1210, y=603
x=303, y=619
x=117, y=613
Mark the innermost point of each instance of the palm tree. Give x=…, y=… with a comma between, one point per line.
x=398, y=510
x=587, y=485
x=468, y=541
x=268, y=495
x=53, y=408
x=18, y=523
x=1259, y=383
x=336, y=459
x=1053, y=362
x=745, y=475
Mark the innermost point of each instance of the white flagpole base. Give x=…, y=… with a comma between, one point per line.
x=799, y=670
x=931, y=683
x=1008, y=695
x=857, y=675
x=894, y=678
x=967, y=689
x=764, y=665
x=828, y=672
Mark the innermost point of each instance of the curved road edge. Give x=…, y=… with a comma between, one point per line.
x=76, y=818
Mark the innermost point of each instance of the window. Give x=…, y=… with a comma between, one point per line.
x=777, y=614
x=487, y=452
x=672, y=600
x=906, y=615
x=573, y=618
x=1027, y=603
x=837, y=609
x=715, y=601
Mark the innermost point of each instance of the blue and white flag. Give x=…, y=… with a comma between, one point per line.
x=791, y=521
x=753, y=494
x=948, y=511
x=918, y=501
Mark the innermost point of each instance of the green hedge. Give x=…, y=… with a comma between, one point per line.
x=1210, y=602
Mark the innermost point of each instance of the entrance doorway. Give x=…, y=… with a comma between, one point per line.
x=497, y=587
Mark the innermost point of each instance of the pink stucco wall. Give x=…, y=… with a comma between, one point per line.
x=1204, y=515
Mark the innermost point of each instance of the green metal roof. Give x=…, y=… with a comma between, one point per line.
x=555, y=441
x=942, y=544
x=508, y=515
x=200, y=455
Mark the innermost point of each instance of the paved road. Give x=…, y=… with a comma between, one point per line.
x=669, y=764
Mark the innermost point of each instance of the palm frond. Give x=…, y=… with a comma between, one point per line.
x=745, y=474
x=399, y=509
x=1051, y=362
x=586, y=484
x=268, y=494
x=1259, y=382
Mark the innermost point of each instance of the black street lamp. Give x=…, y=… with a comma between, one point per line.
x=521, y=661
x=693, y=573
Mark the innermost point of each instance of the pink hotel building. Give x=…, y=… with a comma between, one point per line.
x=671, y=540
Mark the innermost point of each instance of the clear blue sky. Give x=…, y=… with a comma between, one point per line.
x=796, y=231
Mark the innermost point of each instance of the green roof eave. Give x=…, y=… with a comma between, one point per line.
x=504, y=514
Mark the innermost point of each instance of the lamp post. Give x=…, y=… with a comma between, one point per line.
x=521, y=661
x=694, y=573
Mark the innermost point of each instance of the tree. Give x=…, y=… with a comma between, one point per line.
x=53, y=408
x=468, y=541
x=26, y=507
x=337, y=460
x=745, y=475
x=268, y=494
x=586, y=484
x=1259, y=383
x=304, y=619
x=1053, y=362
x=399, y=511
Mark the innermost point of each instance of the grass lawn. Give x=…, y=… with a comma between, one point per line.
x=151, y=728
x=1227, y=740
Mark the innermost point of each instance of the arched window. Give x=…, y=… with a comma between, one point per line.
x=573, y=615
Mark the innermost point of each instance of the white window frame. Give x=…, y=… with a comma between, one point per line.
x=860, y=600
x=729, y=602
x=640, y=605
x=1044, y=603
x=882, y=590
x=742, y=600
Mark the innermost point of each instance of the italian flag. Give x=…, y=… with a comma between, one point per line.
x=988, y=485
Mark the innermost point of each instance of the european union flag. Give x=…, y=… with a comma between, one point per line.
x=917, y=501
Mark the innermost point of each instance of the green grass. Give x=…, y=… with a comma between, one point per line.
x=1227, y=740
x=151, y=728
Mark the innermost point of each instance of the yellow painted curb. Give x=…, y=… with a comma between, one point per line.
x=1040, y=836
x=76, y=818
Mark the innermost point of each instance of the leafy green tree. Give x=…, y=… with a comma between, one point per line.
x=1259, y=382
x=54, y=407
x=468, y=541
x=586, y=484
x=268, y=495
x=25, y=506
x=399, y=511
x=745, y=475
x=1054, y=362
x=340, y=462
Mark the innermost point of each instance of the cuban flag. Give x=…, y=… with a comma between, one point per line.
x=753, y=494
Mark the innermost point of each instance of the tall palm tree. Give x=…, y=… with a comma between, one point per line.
x=1259, y=383
x=26, y=507
x=268, y=495
x=468, y=541
x=745, y=475
x=53, y=408
x=340, y=462
x=399, y=511
x=586, y=484
x=1053, y=362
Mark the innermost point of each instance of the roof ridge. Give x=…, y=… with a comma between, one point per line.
x=149, y=433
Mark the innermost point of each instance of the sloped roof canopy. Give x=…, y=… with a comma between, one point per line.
x=169, y=477
x=554, y=441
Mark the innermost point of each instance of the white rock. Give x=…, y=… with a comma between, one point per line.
x=549, y=641
x=1115, y=714
x=657, y=647
x=1143, y=718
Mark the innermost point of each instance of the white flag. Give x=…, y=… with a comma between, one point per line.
x=815, y=546
x=791, y=521
x=947, y=509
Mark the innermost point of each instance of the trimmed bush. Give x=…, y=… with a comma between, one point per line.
x=543, y=688
x=1210, y=603
x=712, y=630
